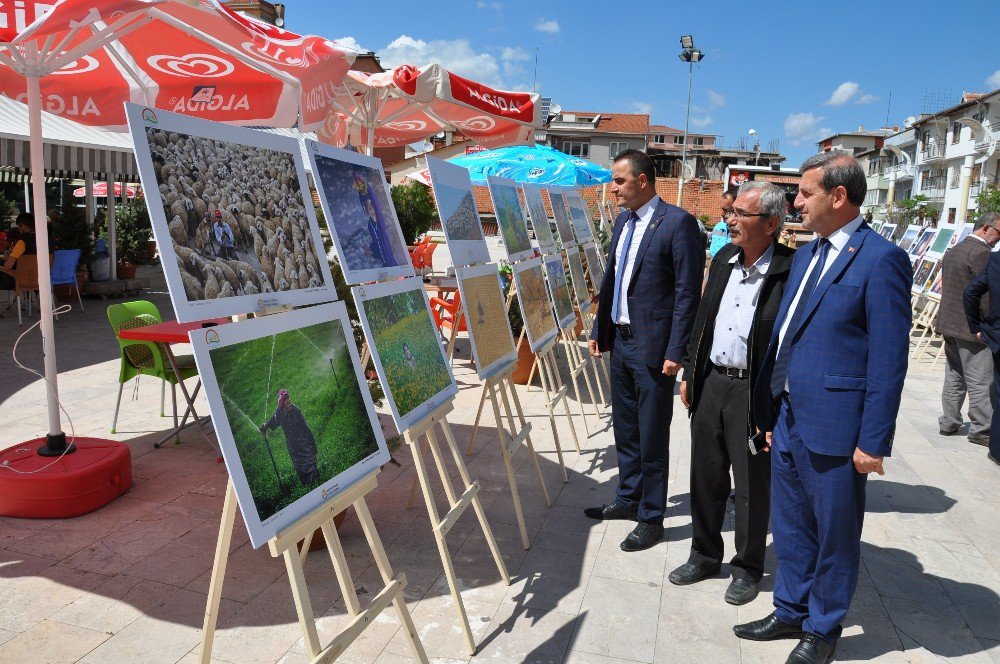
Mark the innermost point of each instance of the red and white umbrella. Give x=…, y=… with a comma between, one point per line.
x=82, y=59
x=101, y=190
x=409, y=104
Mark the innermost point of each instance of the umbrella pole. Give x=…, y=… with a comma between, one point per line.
x=55, y=440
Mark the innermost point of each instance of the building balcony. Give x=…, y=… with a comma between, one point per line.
x=933, y=188
x=933, y=151
x=988, y=137
x=975, y=188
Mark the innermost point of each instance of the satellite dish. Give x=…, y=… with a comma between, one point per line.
x=908, y=122
x=555, y=109
x=752, y=132
x=279, y=22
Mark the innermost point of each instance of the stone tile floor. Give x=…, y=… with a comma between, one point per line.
x=127, y=583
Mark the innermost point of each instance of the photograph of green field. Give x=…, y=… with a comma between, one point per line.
x=407, y=347
x=510, y=217
x=314, y=366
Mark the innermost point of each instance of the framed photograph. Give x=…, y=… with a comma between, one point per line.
x=932, y=277
x=934, y=289
x=486, y=316
x=595, y=263
x=887, y=231
x=291, y=410
x=360, y=214
x=406, y=348
x=562, y=301
x=923, y=241
x=581, y=291
x=963, y=231
x=457, y=210
x=923, y=270
x=578, y=217
x=563, y=226
x=909, y=236
x=536, y=310
x=231, y=213
x=539, y=220
x=510, y=218
x=941, y=241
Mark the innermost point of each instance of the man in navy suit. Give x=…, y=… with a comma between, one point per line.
x=829, y=389
x=646, y=309
x=988, y=331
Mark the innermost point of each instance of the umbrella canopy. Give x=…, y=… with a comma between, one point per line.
x=82, y=59
x=409, y=104
x=101, y=190
x=539, y=164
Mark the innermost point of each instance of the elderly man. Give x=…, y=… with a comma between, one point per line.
x=730, y=336
x=968, y=362
x=646, y=309
x=298, y=438
x=829, y=389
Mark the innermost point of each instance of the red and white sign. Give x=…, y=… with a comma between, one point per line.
x=101, y=190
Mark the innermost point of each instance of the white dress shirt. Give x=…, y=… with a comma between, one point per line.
x=645, y=214
x=838, y=240
x=736, y=311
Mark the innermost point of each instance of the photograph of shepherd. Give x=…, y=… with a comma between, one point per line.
x=299, y=438
x=224, y=238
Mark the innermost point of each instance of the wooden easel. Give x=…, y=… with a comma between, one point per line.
x=555, y=392
x=423, y=434
x=577, y=365
x=284, y=544
x=588, y=324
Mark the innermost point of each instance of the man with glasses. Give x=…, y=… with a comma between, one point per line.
x=731, y=331
x=968, y=362
x=720, y=232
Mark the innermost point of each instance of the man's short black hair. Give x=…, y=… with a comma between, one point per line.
x=639, y=163
x=840, y=169
x=25, y=219
x=730, y=193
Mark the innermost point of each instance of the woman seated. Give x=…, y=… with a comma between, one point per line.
x=24, y=245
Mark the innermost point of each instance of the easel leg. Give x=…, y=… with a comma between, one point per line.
x=511, y=481
x=547, y=388
x=509, y=384
x=554, y=377
x=585, y=363
x=475, y=425
x=303, y=607
x=339, y=560
x=218, y=574
x=574, y=375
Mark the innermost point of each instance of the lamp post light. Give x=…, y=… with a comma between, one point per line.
x=689, y=55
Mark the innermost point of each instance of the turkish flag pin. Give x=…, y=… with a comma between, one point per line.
x=850, y=250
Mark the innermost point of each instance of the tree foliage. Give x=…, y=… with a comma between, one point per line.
x=988, y=200
x=415, y=209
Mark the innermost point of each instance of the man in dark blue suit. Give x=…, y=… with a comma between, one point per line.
x=829, y=389
x=646, y=309
x=988, y=331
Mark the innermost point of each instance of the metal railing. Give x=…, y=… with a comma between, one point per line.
x=933, y=187
x=933, y=150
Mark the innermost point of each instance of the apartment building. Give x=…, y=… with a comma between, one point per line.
x=890, y=170
x=706, y=159
x=856, y=142
x=596, y=136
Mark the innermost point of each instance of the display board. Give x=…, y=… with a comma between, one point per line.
x=457, y=210
x=595, y=265
x=486, y=316
x=961, y=232
x=555, y=276
x=923, y=241
x=924, y=267
x=292, y=412
x=578, y=217
x=932, y=277
x=510, y=218
x=887, y=231
x=231, y=213
x=407, y=350
x=536, y=311
x=909, y=236
x=581, y=292
x=539, y=220
x=941, y=241
x=359, y=213
x=564, y=228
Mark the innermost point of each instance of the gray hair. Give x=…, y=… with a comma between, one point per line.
x=987, y=219
x=770, y=200
x=840, y=169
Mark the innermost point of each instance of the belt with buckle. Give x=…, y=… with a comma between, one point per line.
x=730, y=372
x=624, y=329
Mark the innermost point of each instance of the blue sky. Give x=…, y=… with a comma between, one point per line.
x=794, y=71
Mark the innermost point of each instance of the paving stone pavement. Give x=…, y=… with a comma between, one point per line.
x=128, y=583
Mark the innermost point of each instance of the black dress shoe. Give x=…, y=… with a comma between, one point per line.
x=613, y=511
x=689, y=573
x=644, y=536
x=980, y=440
x=741, y=591
x=812, y=650
x=766, y=629
x=952, y=432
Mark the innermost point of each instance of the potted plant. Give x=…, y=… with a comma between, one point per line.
x=70, y=230
x=133, y=232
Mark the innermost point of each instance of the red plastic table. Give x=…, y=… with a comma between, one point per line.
x=167, y=333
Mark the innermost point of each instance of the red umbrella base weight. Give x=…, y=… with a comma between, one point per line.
x=91, y=477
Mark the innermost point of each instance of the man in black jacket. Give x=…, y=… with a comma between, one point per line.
x=731, y=332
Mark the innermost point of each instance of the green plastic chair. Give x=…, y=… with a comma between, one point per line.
x=145, y=357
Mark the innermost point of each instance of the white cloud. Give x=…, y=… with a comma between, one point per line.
x=702, y=122
x=510, y=57
x=867, y=99
x=843, y=94
x=715, y=99
x=549, y=25
x=495, y=6
x=994, y=80
x=351, y=43
x=640, y=107
x=456, y=55
x=804, y=127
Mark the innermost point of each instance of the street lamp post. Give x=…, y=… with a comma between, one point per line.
x=689, y=55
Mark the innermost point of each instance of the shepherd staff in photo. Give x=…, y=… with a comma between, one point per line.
x=298, y=438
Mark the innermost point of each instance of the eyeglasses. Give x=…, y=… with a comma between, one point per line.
x=746, y=215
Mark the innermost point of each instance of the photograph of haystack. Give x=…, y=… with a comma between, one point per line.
x=229, y=214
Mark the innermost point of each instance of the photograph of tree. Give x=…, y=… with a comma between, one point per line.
x=563, y=226
x=580, y=288
x=559, y=289
x=536, y=310
x=360, y=214
x=457, y=210
x=486, y=317
x=510, y=218
x=540, y=223
x=406, y=347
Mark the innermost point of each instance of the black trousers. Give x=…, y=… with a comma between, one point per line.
x=642, y=401
x=718, y=443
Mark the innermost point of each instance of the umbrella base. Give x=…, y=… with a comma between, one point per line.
x=44, y=488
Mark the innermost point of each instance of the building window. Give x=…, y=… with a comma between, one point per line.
x=698, y=140
x=956, y=132
x=659, y=138
x=679, y=140
x=951, y=215
x=576, y=149
x=873, y=166
x=953, y=180
x=618, y=147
